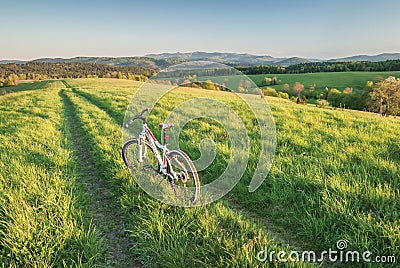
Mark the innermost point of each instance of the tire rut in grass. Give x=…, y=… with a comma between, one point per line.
x=96, y=102
x=103, y=207
x=280, y=234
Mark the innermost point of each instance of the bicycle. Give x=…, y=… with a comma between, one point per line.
x=173, y=165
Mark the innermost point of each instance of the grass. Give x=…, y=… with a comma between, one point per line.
x=43, y=218
x=335, y=176
x=27, y=86
x=339, y=80
x=165, y=236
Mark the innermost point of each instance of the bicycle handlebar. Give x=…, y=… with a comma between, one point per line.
x=145, y=110
x=139, y=116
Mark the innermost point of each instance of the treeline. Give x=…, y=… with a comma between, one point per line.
x=385, y=96
x=206, y=70
x=316, y=67
x=11, y=73
x=381, y=97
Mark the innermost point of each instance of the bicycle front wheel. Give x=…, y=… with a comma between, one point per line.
x=144, y=158
x=187, y=182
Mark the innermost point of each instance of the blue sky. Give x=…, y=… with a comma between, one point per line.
x=313, y=29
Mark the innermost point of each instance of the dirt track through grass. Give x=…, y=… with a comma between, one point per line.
x=103, y=208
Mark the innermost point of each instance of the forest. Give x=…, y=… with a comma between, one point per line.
x=10, y=73
x=316, y=67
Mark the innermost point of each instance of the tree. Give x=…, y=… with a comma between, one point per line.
x=120, y=75
x=297, y=89
x=209, y=85
x=57, y=70
x=241, y=89
x=267, y=81
x=269, y=91
x=392, y=89
x=14, y=77
x=386, y=94
x=286, y=88
x=131, y=76
x=247, y=85
x=379, y=95
x=283, y=95
x=348, y=90
x=326, y=93
x=192, y=78
x=9, y=81
x=261, y=93
x=396, y=102
x=322, y=103
x=335, y=97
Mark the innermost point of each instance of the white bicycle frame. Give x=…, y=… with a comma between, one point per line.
x=163, y=161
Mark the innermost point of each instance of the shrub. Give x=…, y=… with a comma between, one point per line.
x=322, y=103
x=283, y=95
x=269, y=91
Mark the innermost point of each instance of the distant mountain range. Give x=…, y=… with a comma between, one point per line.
x=248, y=59
x=157, y=61
x=233, y=58
x=375, y=58
x=12, y=61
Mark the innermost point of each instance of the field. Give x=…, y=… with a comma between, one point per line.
x=66, y=198
x=29, y=85
x=340, y=80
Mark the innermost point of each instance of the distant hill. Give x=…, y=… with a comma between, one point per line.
x=145, y=62
x=12, y=61
x=163, y=60
x=248, y=59
x=375, y=58
x=292, y=61
x=233, y=58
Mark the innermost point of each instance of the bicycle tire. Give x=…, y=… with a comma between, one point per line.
x=190, y=172
x=130, y=153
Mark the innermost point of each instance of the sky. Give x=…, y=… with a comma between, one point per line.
x=307, y=28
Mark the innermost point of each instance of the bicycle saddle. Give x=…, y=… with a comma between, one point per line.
x=165, y=126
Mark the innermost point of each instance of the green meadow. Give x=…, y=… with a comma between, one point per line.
x=29, y=85
x=66, y=198
x=339, y=80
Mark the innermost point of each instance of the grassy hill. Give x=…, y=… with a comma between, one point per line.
x=341, y=80
x=374, y=58
x=29, y=85
x=335, y=176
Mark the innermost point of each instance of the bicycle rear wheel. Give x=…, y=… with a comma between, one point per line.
x=187, y=185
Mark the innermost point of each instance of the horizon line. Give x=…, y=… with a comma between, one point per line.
x=178, y=52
